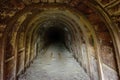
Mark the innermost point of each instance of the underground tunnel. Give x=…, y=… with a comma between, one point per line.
x=59, y=40
x=57, y=58
x=54, y=35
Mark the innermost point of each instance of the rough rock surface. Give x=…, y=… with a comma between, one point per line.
x=56, y=64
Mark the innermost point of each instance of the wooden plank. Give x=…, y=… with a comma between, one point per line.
x=9, y=59
x=1, y=34
x=2, y=27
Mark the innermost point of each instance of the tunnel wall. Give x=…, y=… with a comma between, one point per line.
x=107, y=52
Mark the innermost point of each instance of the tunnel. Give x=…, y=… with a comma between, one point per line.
x=59, y=40
x=54, y=35
x=57, y=33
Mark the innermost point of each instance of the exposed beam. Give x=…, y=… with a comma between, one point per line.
x=112, y=4
x=1, y=34
x=117, y=13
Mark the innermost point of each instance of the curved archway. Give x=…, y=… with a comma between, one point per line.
x=88, y=26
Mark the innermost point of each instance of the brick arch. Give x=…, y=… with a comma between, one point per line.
x=90, y=11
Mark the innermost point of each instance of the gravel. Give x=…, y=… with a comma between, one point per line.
x=55, y=64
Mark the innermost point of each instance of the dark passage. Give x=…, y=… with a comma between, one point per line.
x=55, y=61
x=54, y=35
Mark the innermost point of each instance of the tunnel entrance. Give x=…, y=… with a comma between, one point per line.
x=56, y=62
x=54, y=54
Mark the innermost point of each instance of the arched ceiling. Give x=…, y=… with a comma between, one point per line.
x=9, y=8
x=103, y=15
x=99, y=18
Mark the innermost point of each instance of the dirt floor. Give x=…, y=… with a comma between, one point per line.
x=57, y=63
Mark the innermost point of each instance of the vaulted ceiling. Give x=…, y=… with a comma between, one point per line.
x=110, y=7
x=97, y=18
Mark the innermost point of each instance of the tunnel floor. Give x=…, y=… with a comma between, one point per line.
x=57, y=63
